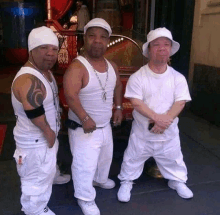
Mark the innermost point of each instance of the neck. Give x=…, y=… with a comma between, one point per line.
x=33, y=65
x=158, y=69
x=92, y=59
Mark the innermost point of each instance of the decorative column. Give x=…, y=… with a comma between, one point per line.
x=49, y=10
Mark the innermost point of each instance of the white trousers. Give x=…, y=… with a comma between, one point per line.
x=36, y=172
x=92, y=157
x=167, y=155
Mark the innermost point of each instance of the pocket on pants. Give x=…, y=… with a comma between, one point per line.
x=47, y=168
x=21, y=162
x=46, y=153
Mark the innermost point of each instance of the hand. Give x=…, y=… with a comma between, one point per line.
x=117, y=117
x=50, y=137
x=163, y=120
x=89, y=126
x=157, y=129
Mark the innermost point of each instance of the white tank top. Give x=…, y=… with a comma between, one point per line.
x=91, y=95
x=26, y=134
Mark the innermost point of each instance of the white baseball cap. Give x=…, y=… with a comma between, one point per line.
x=98, y=22
x=42, y=36
x=160, y=32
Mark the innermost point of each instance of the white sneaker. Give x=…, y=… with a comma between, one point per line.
x=107, y=185
x=88, y=208
x=181, y=188
x=61, y=179
x=47, y=211
x=124, y=192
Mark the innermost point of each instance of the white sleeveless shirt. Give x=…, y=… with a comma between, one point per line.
x=91, y=95
x=26, y=134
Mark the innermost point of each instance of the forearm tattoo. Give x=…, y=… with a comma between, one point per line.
x=35, y=94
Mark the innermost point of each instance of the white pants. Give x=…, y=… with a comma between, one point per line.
x=167, y=155
x=92, y=157
x=36, y=172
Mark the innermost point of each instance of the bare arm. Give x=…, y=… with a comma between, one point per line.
x=30, y=91
x=73, y=82
x=117, y=118
x=142, y=108
x=161, y=120
x=176, y=109
x=118, y=87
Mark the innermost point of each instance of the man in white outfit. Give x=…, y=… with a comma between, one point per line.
x=158, y=94
x=90, y=84
x=36, y=106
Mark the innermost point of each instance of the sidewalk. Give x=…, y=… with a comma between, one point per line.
x=150, y=196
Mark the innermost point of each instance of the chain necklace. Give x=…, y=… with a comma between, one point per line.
x=53, y=92
x=104, y=93
x=39, y=71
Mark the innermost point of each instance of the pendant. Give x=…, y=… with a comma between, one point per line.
x=104, y=96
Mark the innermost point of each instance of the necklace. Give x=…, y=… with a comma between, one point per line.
x=39, y=71
x=53, y=92
x=104, y=93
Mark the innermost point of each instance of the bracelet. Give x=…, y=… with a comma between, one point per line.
x=85, y=119
x=119, y=107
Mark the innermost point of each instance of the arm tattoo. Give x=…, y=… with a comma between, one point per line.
x=35, y=94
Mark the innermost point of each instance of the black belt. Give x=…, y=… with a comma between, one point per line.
x=74, y=125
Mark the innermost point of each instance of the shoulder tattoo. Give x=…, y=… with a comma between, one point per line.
x=35, y=95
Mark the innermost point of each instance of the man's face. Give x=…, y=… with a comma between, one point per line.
x=79, y=3
x=95, y=41
x=45, y=56
x=159, y=50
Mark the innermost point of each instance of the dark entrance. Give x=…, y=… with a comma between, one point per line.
x=177, y=16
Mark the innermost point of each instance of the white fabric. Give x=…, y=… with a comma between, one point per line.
x=36, y=172
x=41, y=36
x=182, y=190
x=92, y=157
x=91, y=95
x=98, y=22
x=160, y=32
x=26, y=134
x=88, y=208
x=38, y=161
x=47, y=211
x=167, y=155
x=159, y=92
x=82, y=17
x=124, y=192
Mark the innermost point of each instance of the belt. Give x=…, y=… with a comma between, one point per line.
x=74, y=125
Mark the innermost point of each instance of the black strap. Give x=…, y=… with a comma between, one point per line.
x=31, y=114
x=72, y=124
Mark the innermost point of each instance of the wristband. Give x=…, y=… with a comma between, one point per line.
x=118, y=107
x=85, y=119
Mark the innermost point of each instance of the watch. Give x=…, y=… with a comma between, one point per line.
x=118, y=107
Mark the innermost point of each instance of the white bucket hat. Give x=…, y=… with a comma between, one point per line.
x=98, y=22
x=42, y=36
x=160, y=32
